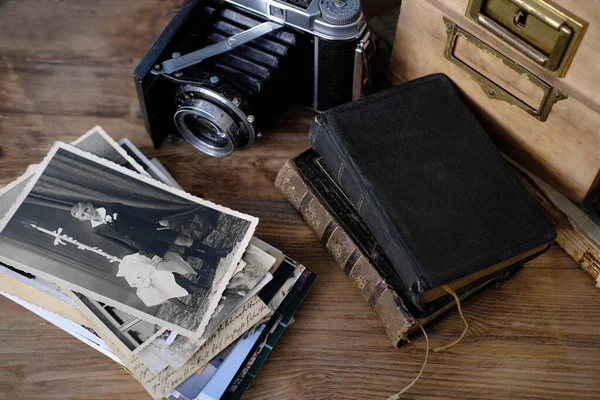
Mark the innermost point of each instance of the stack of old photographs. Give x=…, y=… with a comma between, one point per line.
x=102, y=242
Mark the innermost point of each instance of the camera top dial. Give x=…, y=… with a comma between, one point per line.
x=340, y=12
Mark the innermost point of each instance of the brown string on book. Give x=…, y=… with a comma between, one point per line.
x=397, y=395
x=437, y=349
x=457, y=341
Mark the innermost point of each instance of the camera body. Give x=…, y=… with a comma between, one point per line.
x=221, y=69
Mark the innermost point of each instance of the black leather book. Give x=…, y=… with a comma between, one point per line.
x=431, y=187
x=308, y=186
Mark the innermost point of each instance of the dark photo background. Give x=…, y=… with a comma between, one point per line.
x=97, y=144
x=69, y=179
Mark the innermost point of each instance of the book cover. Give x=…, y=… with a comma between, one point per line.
x=430, y=185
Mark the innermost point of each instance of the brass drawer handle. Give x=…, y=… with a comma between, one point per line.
x=543, y=32
x=492, y=90
x=514, y=41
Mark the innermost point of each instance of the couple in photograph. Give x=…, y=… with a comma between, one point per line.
x=158, y=267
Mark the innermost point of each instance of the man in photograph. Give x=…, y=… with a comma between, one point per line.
x=154, y=269
x=122, y=223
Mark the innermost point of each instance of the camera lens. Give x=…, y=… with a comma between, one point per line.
x=207, y=127
x=203, y=128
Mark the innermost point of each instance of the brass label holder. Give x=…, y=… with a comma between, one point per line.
x=550, y=94
x=539, y=29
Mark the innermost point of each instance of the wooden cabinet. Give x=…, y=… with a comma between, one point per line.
x=548, y=123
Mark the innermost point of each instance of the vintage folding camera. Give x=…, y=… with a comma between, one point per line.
x=222, y=68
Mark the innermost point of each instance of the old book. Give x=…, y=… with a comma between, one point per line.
x=577, y=226
x=341, y=231
x=430, y=186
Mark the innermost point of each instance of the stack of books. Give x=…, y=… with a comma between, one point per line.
x=103, y=243
x=413, y=200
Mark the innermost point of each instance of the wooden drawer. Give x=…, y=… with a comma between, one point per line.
x=565, y=148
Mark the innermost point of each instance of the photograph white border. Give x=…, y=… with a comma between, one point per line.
x=161, y=175
x=31, y=169
x=98, y=129
x=85, y=311
x=213, y=302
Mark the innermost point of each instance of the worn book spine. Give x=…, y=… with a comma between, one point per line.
x=397, y=320
x=573, y=227
x=367, y=206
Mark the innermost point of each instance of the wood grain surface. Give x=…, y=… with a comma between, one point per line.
x=66, y=66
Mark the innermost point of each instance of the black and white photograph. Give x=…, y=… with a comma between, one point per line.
x=285, y=288
x=252, y=275
x=99, y=143
x=129, y=333
x=132, y=332
x=255, y=266
x=140, y=162
x=10, y=193
x=125, y=240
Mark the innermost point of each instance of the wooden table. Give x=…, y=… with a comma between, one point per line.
x=66, y=66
